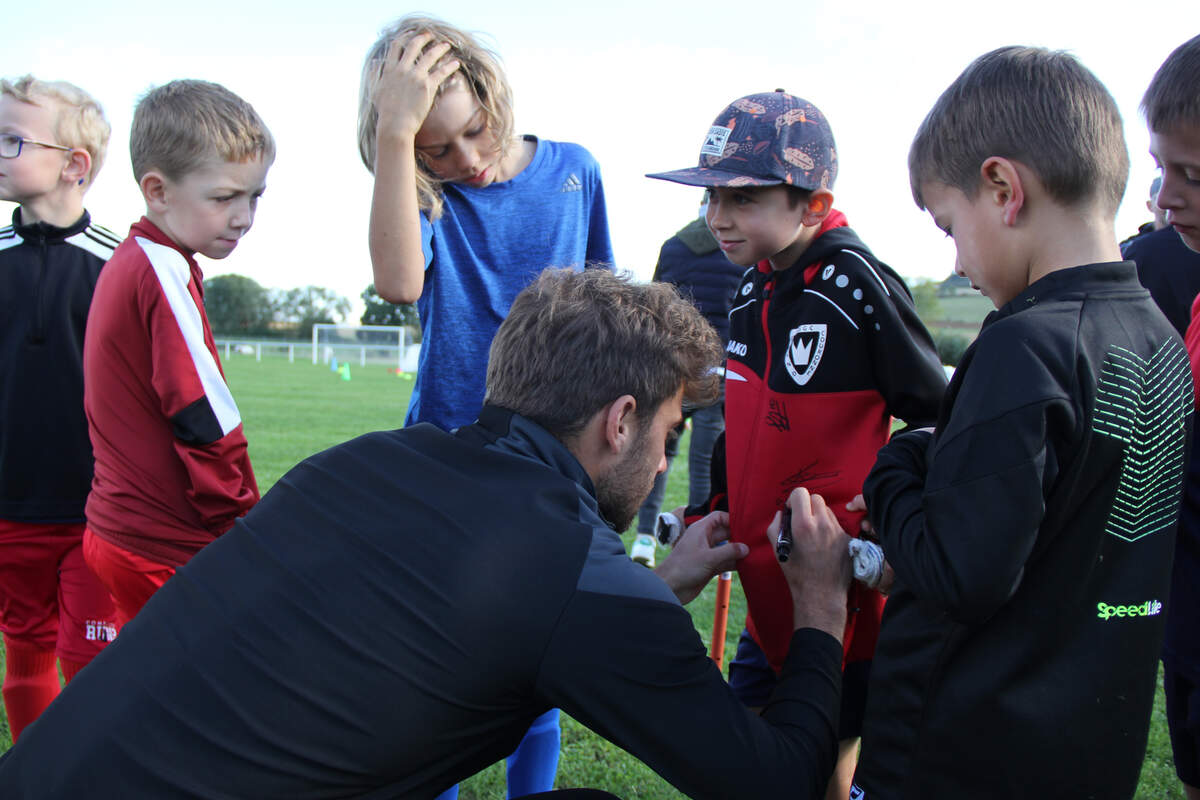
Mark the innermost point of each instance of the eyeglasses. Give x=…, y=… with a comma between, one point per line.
x=10, y=145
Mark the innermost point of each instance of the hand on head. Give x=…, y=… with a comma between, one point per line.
x=704, y=550
x=818, y=570
x=413, y=70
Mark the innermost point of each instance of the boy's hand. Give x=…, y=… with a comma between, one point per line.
x=818, y=570
x=412, y=71
x=704, y=550
x=867, y=531
x=888, y=579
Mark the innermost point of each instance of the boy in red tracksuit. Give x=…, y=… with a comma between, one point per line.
x=172, y=471
x=825, y=348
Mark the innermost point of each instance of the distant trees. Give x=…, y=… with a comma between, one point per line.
x=381, y=312
x=302, y=308
x=952, y=311
x=239, y=306
x=925, y=296
x=951, y=345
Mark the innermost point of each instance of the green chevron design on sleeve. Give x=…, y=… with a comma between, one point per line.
x=1144, y=403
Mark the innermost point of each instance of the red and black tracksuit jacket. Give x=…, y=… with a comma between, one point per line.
x=821, y=357
x=172, y=466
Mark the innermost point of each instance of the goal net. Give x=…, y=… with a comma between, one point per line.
x=363, y=344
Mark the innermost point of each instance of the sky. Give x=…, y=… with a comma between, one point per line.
x=637, y=83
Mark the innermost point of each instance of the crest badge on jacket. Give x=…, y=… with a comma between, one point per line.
x=806, y=345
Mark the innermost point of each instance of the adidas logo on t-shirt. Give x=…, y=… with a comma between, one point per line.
x=572, y=184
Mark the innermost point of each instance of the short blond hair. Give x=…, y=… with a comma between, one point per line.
x=79, y=121
x=479, y=68
x=181, y=125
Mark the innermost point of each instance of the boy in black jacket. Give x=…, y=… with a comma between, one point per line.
x=53, y=138
x=1031, y=530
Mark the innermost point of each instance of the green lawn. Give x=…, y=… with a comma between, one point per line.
x=971, y=307
x=294, y=410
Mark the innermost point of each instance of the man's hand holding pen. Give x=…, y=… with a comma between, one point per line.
x=817, y=568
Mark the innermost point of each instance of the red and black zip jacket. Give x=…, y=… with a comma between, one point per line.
x=821, y=357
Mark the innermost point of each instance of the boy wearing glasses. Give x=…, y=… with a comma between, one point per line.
x=53, y=137
x=172, y=469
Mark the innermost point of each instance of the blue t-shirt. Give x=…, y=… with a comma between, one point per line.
x=489, y=244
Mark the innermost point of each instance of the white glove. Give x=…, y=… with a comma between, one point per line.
x=867, y=560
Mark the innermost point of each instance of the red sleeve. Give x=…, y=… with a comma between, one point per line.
x=193, y=396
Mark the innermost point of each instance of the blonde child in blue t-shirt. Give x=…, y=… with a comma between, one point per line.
x=465, y=215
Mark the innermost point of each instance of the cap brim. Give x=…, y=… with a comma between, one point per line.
x=707, y=176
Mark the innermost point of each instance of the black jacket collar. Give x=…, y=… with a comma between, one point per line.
x=522, y=436
x=44, y=231
x=1063, y=283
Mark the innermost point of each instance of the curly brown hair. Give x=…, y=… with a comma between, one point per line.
x=574, y=341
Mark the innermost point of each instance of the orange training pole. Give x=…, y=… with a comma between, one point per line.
x=720, y=615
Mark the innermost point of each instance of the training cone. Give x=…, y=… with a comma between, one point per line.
x=333, y=365
x=344, y=370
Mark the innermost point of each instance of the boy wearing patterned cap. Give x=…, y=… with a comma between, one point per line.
x=825, y=348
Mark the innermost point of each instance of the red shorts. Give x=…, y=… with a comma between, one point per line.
x=49, y=599
x=131, y=579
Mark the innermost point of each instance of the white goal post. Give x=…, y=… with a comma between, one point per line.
x=377, y=344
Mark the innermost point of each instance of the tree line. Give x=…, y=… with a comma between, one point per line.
x=239, y=306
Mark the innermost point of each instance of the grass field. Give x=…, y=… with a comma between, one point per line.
x=294, y=410
x=971, y=307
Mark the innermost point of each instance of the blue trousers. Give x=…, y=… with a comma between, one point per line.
x=533, y=765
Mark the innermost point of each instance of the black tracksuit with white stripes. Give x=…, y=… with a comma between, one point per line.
x=47, y=276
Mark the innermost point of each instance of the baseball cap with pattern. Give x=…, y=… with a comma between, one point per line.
x=764, y=140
